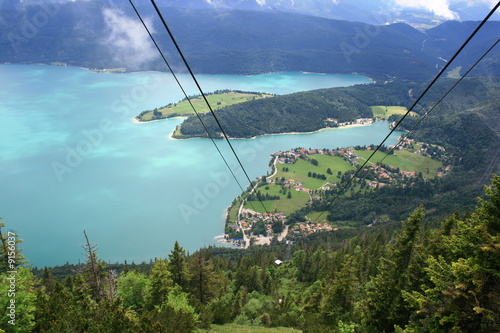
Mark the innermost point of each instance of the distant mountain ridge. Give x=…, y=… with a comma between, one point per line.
x=366, y=11
x=226, y=41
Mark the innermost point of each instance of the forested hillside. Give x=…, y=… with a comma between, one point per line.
x=298, y=112
x=429, y=275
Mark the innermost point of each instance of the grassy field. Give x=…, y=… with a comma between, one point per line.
x=320, y=215
x=299, y=170
x=284, y=205
x=299, y=173
x=216, y=101
x=233, y=212
x=384, y=112
x=407, y=161
x=233, y=328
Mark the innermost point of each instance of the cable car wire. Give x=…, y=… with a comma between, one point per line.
x=412, y=107
x=203, y=95
x=187, y=97
x=440, y=100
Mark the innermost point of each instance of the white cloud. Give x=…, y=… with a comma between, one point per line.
x=128, y=39
x=438, y=7
x=441, y=7
x=261, y=2
x=473, y=2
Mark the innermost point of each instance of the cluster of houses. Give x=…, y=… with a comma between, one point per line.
x=384, y=177
x=304, y=228
x=290, y=156
x=377, y=176
x=249, y=217
x=360, y=121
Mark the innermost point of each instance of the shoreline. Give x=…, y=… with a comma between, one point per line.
x=285, y=133
x=137, y=121
x=126, y=71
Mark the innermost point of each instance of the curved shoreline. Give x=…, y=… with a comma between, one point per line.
x=136, y=121
x=283, y=133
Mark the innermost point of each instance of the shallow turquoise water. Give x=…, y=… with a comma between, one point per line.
x=71, y=159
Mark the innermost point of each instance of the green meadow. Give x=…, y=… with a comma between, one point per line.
x=299, y=170
x=216, y=101
x=384, y=112
x=405, y=160
x=285, y=205
x=319, y=217
x=233, y=211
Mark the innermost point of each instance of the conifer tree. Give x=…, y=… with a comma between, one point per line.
x=177, y=265
x=463, y=292
x=94, y=269
x=205, y=283
x=160, y=283
x=384, y=305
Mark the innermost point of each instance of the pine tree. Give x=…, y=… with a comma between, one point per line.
x=463, y=292
x=341, y=293
x=384, y=305
x=205, y=284
x=48, y=280
x=177, y=265
x=160, y=282
x=94, y=269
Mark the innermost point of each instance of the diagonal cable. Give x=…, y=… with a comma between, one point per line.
x=440, y=100
x=203, y=95
x=187, y=97
x=413, y=106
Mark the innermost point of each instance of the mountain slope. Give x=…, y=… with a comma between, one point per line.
x=228, y=41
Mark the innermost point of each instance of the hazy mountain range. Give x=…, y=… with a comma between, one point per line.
x=368, y=11
x=259, y=36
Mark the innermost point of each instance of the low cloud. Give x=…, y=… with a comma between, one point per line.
x=128, y=39
x=489, y=2
x=437, y=7
x=441, y=7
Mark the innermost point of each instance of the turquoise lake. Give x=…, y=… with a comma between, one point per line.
x=71, y=159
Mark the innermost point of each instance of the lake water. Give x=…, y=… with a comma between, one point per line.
x=71, y=160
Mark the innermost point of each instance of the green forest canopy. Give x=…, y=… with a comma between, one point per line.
x=438, y=276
